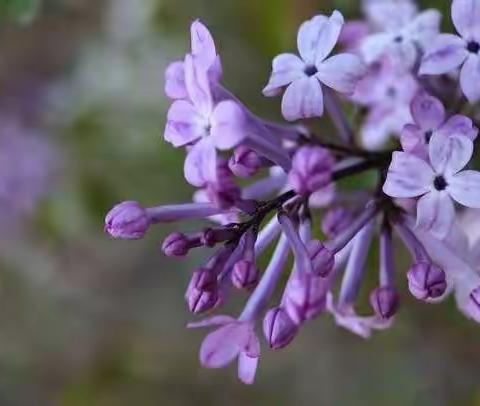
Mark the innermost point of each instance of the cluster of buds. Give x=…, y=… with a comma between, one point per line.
x=393, y=66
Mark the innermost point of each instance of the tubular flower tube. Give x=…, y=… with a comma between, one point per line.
x=262, y=187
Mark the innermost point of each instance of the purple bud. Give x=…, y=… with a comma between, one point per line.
x=128, y=221
x=245, y=275
x=305, y=296
x=384, y=301
x=322, y=258
x=202, y=291
x=311, y=170
x=224, y=192
x=178, y=245
x=244, y=162
x=278, y=328
x=426, y=281
x=335, y=221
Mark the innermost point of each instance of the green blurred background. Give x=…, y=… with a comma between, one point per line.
x=85, y=320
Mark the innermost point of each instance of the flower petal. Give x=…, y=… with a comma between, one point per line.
x=435, y=213
x=228, y=125
x=184, y=124
x=466, y=16
x=219, y=320
x=427, y=111
x=449, y=155
x=408, y=176
x=303, y=99
x=286, y=68
x=470, y=78
x=175, y=81
x=222, y=346
x=318, y=36
x=198, y=86
x=342, y=72
x=201, y=163
x=425, y=27
x=203, y=46
x=374, y=46
x=446, y=53
x=247, y=368
x=464, y=188
x=414, y=141
x=459, y=125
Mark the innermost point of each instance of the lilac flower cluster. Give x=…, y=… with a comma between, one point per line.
x=413, y=133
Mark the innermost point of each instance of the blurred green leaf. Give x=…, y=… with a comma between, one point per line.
x=21, y=11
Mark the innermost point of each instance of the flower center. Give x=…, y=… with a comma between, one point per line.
x=310, y=70
x=398, y=39
x=208, y=128
x=440, y=183
x=428, y=134
x=391, y=92
x=473, y=47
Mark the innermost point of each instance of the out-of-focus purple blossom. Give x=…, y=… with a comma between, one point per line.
x=448, y=52
x=336, y=220
x=279, y=330
x=311, y=170
x=402, y=33
x=305, y=75
x=322, y=258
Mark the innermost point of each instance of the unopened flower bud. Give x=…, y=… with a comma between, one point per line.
x=245, y=275
x=335, y=221
x=384, y=301
x=278, y=328
x=244, y=162
x=426, y=281
x=305, y=297
x=202, y=291
x=203, y=279
x=311, y=170
x=322, y=258
x=128, y=221
x=178, y=245
x=473, y=305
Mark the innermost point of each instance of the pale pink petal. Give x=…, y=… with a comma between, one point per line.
x=446, y=53
x=184, y=124
x=201, y=163
x=375, y=46
x=425, y=27
x=228, y=125
x=436, y=213
x=222, y=346
x=286, y=68
x=219, y=320
x=198, y=86
x=466, y=16
x=449, y=155
x=342, y=72
x=203, y=46
x=247, y=368
x=459, y=125
x=303, y=99
x=408, y=176
x=427, y=111
x=470, y=78
x=464, y=188
x=175, y=87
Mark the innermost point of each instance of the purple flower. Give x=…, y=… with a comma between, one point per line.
x=439, y=183
x=245, y=275
x=449, y=52
x=426, y=281
x=204, y=124
x=336, y=220
x=244, y=162
x=232, y=340
x=322, y=258
x=305, y=75
x=430, y=118
x=279, y=330
x=178, y=244
x=311, y=170
x=128, y=221
x=402, y=33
